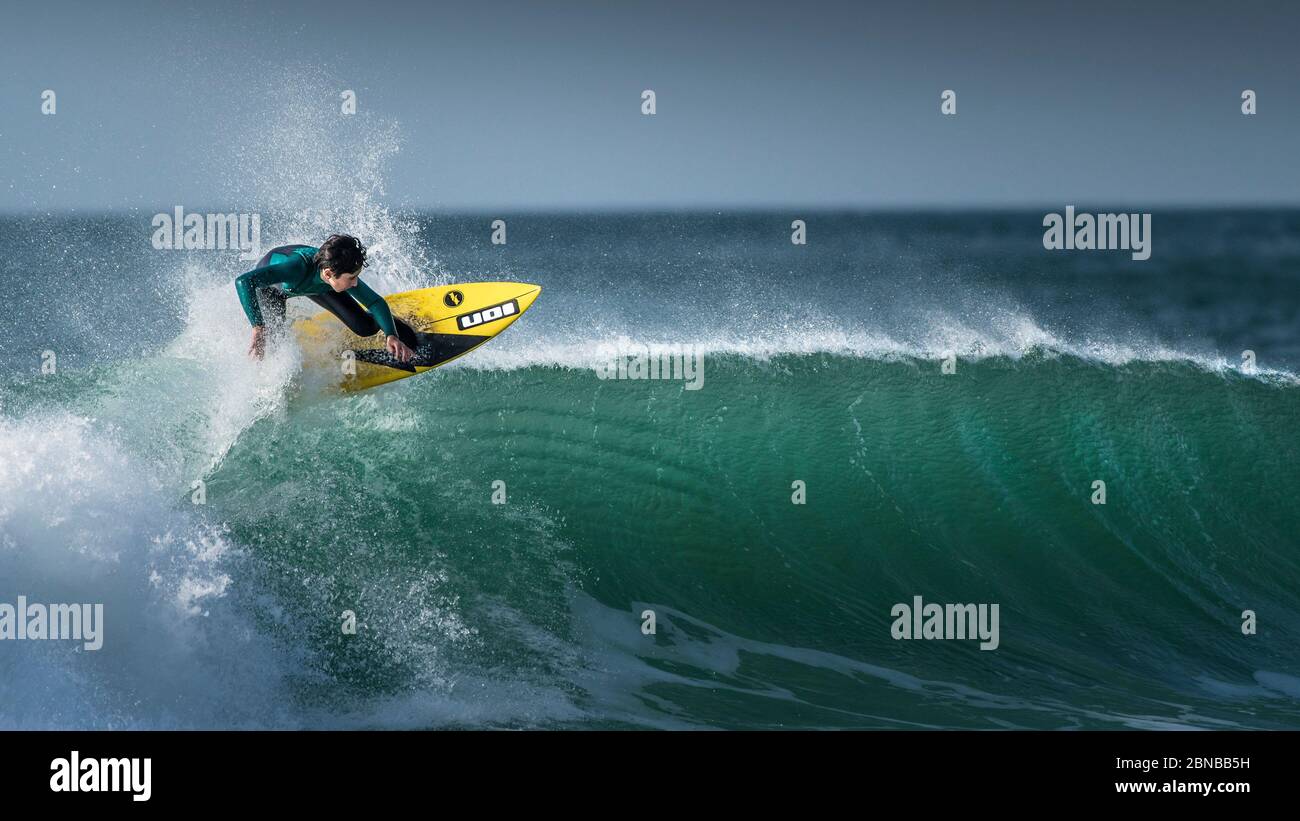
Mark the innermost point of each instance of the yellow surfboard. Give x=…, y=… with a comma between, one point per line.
x=449, y=322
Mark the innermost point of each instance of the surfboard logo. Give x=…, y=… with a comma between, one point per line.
x=453, y=298
x=486, y=315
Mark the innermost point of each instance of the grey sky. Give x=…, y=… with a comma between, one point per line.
x=537, y=105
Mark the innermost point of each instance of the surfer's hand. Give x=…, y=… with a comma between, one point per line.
x=258, y=345
x=399, y=349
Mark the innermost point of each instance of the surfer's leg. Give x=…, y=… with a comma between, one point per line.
x=358, y=320
x=348, y=312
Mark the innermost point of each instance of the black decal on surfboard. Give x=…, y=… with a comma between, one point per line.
x=430, y=350
x=453, y=299
x=486, y=315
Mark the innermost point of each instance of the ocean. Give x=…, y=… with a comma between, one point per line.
x=502, y=528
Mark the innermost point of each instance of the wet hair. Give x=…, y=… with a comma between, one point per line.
x=342, y=254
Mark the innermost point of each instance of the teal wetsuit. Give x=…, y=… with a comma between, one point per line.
x=290, y=271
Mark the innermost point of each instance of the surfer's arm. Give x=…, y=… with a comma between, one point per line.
x=375, y=304
x=247, y=284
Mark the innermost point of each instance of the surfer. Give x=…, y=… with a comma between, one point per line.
x=325, y=275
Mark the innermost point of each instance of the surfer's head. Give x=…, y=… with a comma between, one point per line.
x=340, y=260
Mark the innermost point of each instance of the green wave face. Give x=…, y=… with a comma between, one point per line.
x=622, y=496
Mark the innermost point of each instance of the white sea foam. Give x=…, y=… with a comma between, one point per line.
x=1012, y=336
x=83, y=520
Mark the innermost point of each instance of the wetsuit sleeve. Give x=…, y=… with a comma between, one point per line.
x=375, y=304
x=247, y=284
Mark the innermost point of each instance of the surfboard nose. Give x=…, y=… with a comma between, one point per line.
x=528, y=294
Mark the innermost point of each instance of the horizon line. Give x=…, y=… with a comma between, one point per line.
x=668, y=209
